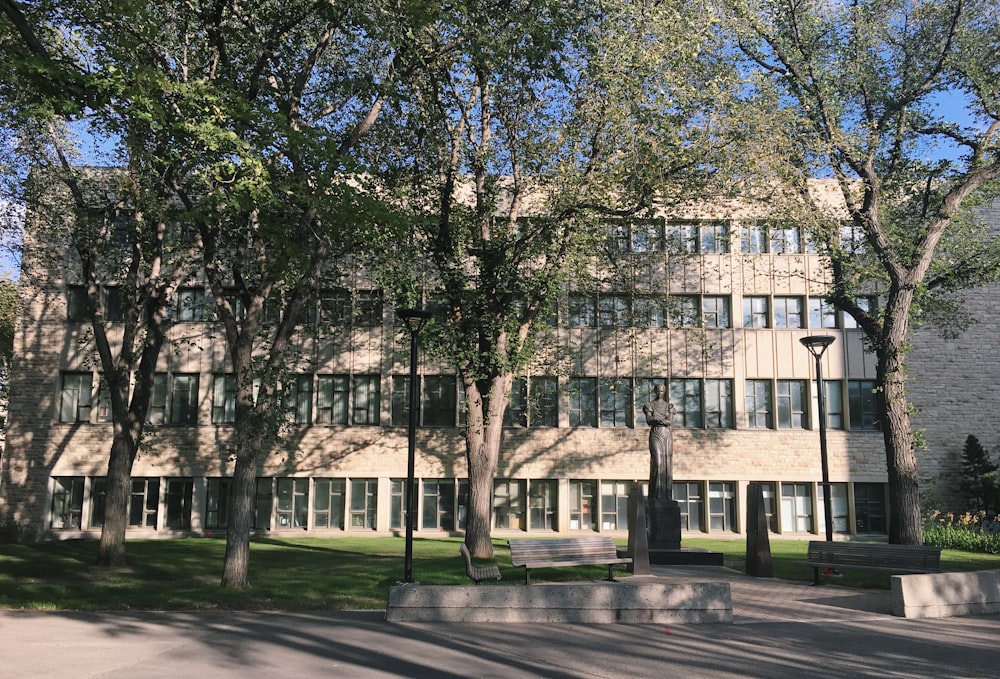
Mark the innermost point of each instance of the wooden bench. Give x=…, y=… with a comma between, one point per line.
x=583, y=551
x=873, y=556
x=476, y=574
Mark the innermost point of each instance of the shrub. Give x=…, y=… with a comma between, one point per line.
x=970, y=532
x=10, y=530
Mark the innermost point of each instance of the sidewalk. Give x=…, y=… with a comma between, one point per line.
x=781, y=630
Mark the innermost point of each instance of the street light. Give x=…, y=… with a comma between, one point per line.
x=817, y=344
x=414, y=319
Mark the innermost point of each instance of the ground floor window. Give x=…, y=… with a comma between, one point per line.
x=692, y=504
x=722, y=506
x=869, y=508
x=178, y=497
x=770, y=506
x=144, y=503
x=328, y=503
x=98, y=501
x=839, y=508
x=508, y=504
x=614, y=505
x=543, y=503
x=217, y=502
x=364, y=498
x=293, y=503
x=796, y=508
x=67, y=502
x=438, y=505
x=582, y=505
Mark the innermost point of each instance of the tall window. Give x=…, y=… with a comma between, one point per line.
x=788, y=312
x=364, y=497
x=400, y=400
x=869, y=507
x=298, y=399
x=191, y=304
x=543, y=402
x=174, y=399
x=365, y=409
x=293, y=503
x=582, y=505
x=839, y=508
x=542, y=505
x=76, y=303
x=714, y=237
x=583, y=402
x=217, y=502
x=834, y=404
x=647, y=236
x=67, y=502
x=722, y=505
x=649, y=312
x=113, y=310
x=755, y=312
x=758, y=404
x=331, y=399
x=368, y=308
x=613, y=311
x=682, y=237
x=144, y=503
x=178, y=503
x=614, y=505
x=685, y=395
x=792, y=402
x=692, y=504
x=784, y=240
x=616, y=403
x=263, y=503
x=508, y=508
x=796, y=508
x=516, y=414
x=438, y=505
x=861, y=404
x=718, y=404
x=440, y=401
x=685, y=311
x=75, y=397
x=753, y=239
x=328, y=503
x=223, y=399
x=333, y=307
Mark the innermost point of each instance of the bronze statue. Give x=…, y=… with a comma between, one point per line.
x=658, y=414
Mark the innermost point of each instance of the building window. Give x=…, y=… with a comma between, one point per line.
x=174, y=399
x=438, y=505
x=543, y=402
x=76, y=304
x=788, y=312
x=822, y=314
x=839, y=504
x=646, y=236
x=714, y=238
x=753, y=239
x=67, y=502
x=144, y=504
x=98, y=501
x=715, y=311
x=332, y=308
x=328, y=503
x=685, y=311
x=613, y=311
x=263, y=503
x=616, y=403
x=867, y=303
x=368, y=308
x=439, y=404
x=834, y=403
x=75, y=397
x=366, y=406
x=758, y=398
x=685, y=395
x=516, y=414
x=223, y=399
x=191, y=305
x=113, y=310
x=722, y=506
x=400, y=400
x=614, y=505
x=583, y=402
x=784, y=240
x=293, y=503
x=791, y=404
x=869, y=507
x=331, y=399
x=649, y=312
x=692, y=504
x=542, y=505
x=364, y=497
x=217, y=502
x=298, y=399
x=582, y=311
x=796, y=508
x=862, y=404
x=508, y=508
x=178, y=503
x=104, y=413
x=755, y=312
x=396, y=504
x=770, y=507
x=719, y=404
x=582, y=505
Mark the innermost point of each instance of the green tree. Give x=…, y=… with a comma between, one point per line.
x=861, y=93
x=540, y=122
x=978, y=481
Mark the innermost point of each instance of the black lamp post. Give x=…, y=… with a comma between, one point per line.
x=414, y=319
x=817, y=344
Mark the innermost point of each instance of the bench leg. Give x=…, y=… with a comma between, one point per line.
x=611, y=573
x=815, y=575
x=527, y=576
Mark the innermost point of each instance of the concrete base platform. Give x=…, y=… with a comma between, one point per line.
x=940, y=595
x=685, y=556
x=635, y=600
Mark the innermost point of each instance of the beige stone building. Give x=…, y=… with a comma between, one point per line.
x=720, y=324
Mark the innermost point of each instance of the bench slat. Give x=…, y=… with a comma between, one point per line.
x=874, y=556
x=582, y=551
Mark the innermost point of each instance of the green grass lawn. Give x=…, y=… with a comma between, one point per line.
x=309, y=573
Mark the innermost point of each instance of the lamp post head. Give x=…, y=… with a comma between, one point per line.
x=817, y=344
x=414, y=319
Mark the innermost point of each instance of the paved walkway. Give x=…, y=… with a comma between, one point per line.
x=781, y=630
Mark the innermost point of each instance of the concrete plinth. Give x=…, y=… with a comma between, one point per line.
x=939, y=595
x=664, y=524
x=685, y=556
x=636, y=600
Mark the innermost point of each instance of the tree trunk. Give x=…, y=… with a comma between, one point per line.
x=482, y=441
x=118, y=493
x=236, y=567
x=901, y=459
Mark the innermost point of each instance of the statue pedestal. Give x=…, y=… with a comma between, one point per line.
x=664, y=524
